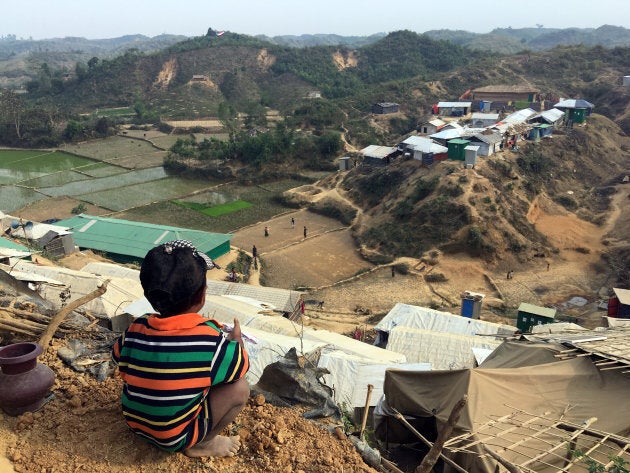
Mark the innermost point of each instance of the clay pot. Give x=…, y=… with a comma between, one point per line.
x=24, y=383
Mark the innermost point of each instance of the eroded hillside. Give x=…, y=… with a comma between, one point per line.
x=494, y=210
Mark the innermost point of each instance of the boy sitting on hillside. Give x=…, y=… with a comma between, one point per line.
x=184, y=380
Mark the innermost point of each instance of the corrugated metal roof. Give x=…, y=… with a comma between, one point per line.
x=446, y=134
x=424, y=145
x=519, y=89
x=485, y=116
x=519, y=116
x=490, y=138
x=537, y=310
x=125, y=237
x=284, y=299
x=454, y=104
x=437, y=122
x=4, y=243
x=550, y=116
x=376, y=151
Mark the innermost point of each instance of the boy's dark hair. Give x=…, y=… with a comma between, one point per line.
x=173, y=277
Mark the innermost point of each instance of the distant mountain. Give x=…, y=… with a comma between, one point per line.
x=20, y=59
x=308, y=40
x=513, y=40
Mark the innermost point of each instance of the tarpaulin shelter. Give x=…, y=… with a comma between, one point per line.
x=525, y=407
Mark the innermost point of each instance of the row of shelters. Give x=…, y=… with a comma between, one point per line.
x=484, y=135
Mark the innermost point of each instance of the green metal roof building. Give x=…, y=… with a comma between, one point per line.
x=126, y=241
x=530, y=315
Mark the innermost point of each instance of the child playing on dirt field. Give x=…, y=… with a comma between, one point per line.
x=184, y=380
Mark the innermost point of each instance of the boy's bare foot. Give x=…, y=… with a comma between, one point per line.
x=219, y=446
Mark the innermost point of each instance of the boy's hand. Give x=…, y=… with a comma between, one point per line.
x=235, y=334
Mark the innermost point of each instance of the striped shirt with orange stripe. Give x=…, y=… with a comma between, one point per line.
x=168, y=366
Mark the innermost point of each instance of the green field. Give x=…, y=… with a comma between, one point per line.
x=115, y=112
x=17, y=166
x=216, y=210
x=263, y=200
x=142, y=193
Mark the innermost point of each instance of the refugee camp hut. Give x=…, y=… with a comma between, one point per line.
x=457, y=149
x=430, y=127
x=529, y=315
x=619, y=304
x=576, y=110
x=383, y=108
x=56, y=280
x=375, y=155
x=551, y=117
x=424, y=149
x=517, y=407
x=489, y=142
x=520, y=95
x=442, y=137
x=345, y=163
x=126, y=241
x=445, y=340
x=57, y=242
x=482, y=120
x=454, y=109
x=470, y=156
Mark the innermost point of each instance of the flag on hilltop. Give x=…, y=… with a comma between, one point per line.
x=220, y=33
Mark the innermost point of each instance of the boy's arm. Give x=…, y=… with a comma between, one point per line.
x=230, y=362
x=116, y=348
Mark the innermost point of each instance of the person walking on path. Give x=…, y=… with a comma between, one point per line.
x=266, y=231
x=304, y=232
x=292, y=222
x=393, y=271
x=254, y=252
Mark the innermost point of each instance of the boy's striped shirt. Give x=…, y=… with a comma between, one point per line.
x=168, y=365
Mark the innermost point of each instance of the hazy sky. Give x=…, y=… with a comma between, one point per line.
x=112, y=18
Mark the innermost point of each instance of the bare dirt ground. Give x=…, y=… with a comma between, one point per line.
x=82, y=430
x=57, y=207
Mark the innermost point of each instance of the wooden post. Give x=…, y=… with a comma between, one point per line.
x=428, y=462
x=366, y=410
x=46, y=337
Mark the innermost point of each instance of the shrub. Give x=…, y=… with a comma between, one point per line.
x=435, y=277
x=79, y=209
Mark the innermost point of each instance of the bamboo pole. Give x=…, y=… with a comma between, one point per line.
x=366, y=410
x=402, y=419
x=428, y=462
x=45, y=339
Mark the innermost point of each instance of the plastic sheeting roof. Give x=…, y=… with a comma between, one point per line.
x=361, y=371
x=405, y=315
x=135, y=239
x=119, y=292
x=425, y=145
x=376, y=151
x=445, y=351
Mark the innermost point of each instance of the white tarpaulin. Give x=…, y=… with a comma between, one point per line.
x=119, y=291
x=445, y=351
x=404, y=315
x=350, y=375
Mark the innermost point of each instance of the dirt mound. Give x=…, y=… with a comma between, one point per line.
x=82, y=429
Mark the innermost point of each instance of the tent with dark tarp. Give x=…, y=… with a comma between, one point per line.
x=532, y=381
